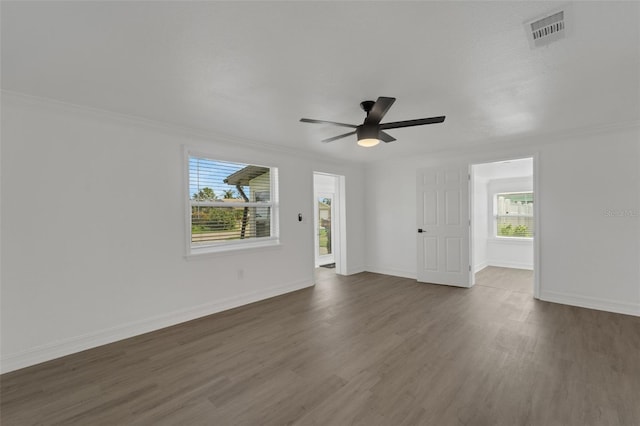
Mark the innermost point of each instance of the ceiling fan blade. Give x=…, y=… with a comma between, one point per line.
x=338, y=137
x=379, y=109
x=310, y=120
x=409, y=123
x=385, y=137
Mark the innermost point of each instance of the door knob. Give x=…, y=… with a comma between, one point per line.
x=420, y=230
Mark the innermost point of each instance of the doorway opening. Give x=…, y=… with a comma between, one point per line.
x=328, y=196
x=503, y=225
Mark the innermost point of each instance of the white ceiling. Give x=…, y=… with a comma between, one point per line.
x=251, y=70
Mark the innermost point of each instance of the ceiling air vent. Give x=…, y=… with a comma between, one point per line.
x=546, y=30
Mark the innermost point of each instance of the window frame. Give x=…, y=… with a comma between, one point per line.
x=496, y=216
x=229, y=246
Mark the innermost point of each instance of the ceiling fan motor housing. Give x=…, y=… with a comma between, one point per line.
x=367, y=131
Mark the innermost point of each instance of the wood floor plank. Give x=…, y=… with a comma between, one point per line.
x=367, y=349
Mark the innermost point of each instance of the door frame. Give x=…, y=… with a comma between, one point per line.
x=536, y=213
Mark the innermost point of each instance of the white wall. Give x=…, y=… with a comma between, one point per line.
x=390, y=205
x=93, y=230
x=588, y=257
x=510, y=253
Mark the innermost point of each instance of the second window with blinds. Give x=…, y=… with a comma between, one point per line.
x=231, y=205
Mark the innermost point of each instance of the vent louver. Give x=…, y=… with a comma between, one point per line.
x=546, y=30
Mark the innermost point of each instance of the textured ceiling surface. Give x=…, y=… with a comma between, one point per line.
x=251, y=70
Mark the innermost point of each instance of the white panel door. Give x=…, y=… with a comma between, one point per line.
x=443, y=226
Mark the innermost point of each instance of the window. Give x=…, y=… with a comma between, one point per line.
x=232, y=205
x=514, y=214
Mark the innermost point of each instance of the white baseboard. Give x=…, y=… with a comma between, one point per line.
x=591, y=302
x=479, y=267
x=509, y=264
x=354, y=270
x=392, y=271
x=91, y=340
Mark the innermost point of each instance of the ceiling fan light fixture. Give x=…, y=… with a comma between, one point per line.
x=367, y=136
x=368, y=143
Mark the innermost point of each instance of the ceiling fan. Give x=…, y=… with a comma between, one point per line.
x=371, y=131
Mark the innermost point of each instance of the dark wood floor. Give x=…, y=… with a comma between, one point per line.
x=367, y=349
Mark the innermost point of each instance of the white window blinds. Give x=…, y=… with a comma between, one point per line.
x=231, y=202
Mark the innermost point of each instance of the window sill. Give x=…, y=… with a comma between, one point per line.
x=511, y=240
x=207, y=252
